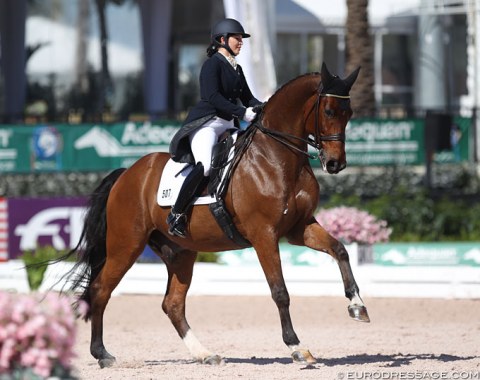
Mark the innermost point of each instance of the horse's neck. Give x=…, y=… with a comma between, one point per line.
x=288, y=106
x=287, y=110
x=283, y=151
x=285, y=113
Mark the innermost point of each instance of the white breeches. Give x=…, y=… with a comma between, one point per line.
x=203, y=140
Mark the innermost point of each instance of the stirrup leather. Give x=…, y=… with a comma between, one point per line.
x=177, y=224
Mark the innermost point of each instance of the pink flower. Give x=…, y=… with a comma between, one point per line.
x=82, y=309
x=36, y=331
x=351, y=225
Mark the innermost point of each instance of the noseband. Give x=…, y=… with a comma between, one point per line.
x=316, y=143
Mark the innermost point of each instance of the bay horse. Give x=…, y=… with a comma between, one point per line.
x=273, y=193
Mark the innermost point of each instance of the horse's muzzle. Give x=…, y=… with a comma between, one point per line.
x=334, y=166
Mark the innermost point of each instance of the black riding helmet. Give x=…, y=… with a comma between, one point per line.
x=225, y=28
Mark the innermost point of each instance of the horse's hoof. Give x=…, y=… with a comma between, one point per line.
x=303, y=357
x=107, y=362
x=359, y=313
x=213, y=360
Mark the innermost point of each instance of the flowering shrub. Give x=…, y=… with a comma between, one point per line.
x=351, y=225
x=37, y=334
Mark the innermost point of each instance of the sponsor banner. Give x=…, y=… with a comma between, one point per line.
x=387, y=254
x=427, y=254
x=380, y=142
x=33, y=222
x=385, y=142
x=290, y=255
x=83, y=147
x=115, y=146
x=91, y=147
x=15, y=150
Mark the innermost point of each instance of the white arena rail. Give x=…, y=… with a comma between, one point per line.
x=320, y=278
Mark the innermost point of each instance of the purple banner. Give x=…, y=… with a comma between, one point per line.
x=34, y=222
x=57, y=222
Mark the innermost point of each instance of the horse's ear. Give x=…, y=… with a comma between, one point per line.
x=326, y=76
x=350, y=80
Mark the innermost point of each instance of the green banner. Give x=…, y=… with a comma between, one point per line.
x=380, y=142
x=90, y=147
x=290, y=255
x=387, y=254
x=385, y=142
x=427, y=254
x=84, y=147
x=114, y=146
x=15, y=148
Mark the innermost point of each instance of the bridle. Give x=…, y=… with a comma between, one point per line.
x=285, y=138
x=318, y=136
x=316, y=142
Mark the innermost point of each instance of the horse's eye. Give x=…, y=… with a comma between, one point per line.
x=329, y=112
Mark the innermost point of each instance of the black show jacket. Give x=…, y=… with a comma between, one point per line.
x=221, y=86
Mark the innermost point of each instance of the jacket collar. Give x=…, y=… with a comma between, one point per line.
x=222, y=58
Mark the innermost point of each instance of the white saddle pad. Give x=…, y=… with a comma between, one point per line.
x=171, y=181
x=170, y=184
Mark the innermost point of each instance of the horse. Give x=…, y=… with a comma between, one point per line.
x=272, y=194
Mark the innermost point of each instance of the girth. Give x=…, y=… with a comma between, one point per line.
x=218, y=185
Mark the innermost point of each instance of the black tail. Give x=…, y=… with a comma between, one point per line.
x=91, y=249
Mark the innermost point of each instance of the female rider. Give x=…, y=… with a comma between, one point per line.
x=225, y=98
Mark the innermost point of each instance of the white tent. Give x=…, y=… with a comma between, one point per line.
x=256, y=57
x=58, y=53
x=335, y=12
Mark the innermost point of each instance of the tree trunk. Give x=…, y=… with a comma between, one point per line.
x=81, y=63
x=105, y=80
x=359, y=45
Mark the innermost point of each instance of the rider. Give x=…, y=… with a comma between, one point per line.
x=225, y=98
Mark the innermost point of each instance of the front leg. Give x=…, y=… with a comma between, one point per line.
x=269, y=257
x=314, y=236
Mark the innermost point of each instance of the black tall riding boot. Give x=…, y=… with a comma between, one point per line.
x=177, y=219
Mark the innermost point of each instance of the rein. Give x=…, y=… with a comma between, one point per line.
x=315, y=143
x=283, y=137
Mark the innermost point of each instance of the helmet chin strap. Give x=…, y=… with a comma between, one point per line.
x=225, y=45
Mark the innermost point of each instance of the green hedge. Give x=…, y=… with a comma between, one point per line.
x=419, y=217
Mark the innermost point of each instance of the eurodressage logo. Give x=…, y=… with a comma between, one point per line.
x=47, y=146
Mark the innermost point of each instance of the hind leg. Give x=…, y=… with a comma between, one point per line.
x=179, y=264
x=116, y=265
x=314, y=236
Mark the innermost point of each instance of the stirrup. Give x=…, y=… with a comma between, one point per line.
x=177, y=224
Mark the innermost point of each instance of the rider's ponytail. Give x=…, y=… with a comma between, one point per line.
x=211, y=50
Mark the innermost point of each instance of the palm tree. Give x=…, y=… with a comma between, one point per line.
x=81, y=63
x=359, y=45
x=106, y=85
x=105, y=78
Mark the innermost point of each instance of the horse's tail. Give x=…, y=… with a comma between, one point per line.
x=91, y=249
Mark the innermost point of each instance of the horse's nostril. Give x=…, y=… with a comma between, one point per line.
x=332, y=166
